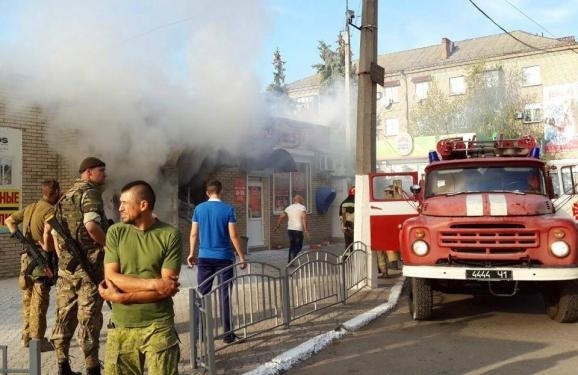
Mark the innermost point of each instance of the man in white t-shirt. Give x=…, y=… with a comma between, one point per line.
x=296, y=215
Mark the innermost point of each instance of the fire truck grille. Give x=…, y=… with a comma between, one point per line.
x=509, y=239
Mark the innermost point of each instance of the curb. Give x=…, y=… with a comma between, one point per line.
x=290, y=358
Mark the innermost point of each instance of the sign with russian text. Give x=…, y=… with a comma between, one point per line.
x=10, y=173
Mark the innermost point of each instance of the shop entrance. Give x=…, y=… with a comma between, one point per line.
x=255, y=212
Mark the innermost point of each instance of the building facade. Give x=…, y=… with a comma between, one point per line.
x=548, y=74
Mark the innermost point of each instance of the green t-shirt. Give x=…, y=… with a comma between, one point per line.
x=143, y=254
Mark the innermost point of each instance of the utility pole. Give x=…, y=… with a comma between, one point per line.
x=348, y=148
x=367, y=94
x=366, y=129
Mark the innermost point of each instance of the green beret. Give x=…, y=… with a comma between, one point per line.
x=90, y=162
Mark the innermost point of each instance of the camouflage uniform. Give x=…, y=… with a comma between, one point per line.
x=78, y=302
x=35, y=286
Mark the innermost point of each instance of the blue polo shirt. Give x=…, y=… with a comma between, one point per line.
x=213, y=218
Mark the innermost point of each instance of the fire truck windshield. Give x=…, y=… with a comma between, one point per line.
x=487, y=179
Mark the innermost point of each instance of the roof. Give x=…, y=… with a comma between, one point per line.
x=469, y=50
x=463, y=51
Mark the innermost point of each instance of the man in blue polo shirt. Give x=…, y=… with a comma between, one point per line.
x=214, y=227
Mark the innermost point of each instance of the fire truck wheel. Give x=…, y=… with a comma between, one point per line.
x=420, y=299
x=562, y=301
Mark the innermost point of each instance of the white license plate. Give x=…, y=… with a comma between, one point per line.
x=491, y=275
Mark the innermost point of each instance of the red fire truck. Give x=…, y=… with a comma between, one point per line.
x=485, y=220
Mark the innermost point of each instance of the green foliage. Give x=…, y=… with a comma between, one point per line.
x=278, y=86
x=332, y=67
x=436, y=114
x=488, y=107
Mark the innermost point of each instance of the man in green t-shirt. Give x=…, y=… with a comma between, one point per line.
x=141, y=268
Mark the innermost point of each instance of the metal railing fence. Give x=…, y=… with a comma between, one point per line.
x=34, y=360
x=264, y=297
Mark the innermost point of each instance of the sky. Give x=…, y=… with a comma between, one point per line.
x=299, y=25
x=136, y=81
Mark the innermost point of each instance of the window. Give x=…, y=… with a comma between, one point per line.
x=492, y=78
x=391, y=126
x=421, y=89
x=569, y=176
x=392, y=187
x=288, y=184
x=532, y=113
x=457, y=85
x=531, y=76
x=390, y=95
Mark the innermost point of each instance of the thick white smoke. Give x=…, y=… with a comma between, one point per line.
x=137, y=81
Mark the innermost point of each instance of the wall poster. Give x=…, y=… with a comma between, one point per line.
x=10, y=173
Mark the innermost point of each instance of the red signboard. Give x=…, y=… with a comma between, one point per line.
x=239, y=190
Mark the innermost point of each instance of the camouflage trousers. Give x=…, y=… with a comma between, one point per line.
x=35, y=300
x=78, y=304
x=127, y=349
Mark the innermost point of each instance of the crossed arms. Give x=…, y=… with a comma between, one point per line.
x=127, y=289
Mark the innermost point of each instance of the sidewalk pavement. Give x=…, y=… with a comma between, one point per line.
x=269, y=353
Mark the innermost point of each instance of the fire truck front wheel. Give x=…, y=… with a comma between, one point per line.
x=562, y=301
x=420, y=298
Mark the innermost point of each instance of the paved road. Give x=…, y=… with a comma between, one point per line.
x=235, y=359
x=474, y=336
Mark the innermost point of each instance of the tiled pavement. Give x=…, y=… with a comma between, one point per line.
x=240, y=358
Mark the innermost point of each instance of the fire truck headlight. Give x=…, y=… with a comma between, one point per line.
x=560, y=249
x=420, y=248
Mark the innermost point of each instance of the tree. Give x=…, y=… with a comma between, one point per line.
x=332, y=67
x=488, y=108
x=278, y=86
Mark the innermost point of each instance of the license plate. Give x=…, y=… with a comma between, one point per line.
x=490, y=275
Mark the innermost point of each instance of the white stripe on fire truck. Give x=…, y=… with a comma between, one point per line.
x=498, y=205
x=474, y=205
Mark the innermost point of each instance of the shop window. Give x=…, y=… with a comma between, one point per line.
x=288, y=184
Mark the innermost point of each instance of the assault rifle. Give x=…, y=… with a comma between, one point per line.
x=75, y=250
x=35, y=253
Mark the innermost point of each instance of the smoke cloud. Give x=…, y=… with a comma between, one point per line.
x=137, y=81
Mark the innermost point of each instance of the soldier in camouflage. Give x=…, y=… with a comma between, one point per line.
x=81, y=211
x=141, y=268
x=33, y=281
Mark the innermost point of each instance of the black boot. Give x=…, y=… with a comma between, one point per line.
x=64, y=369
x=93, y=371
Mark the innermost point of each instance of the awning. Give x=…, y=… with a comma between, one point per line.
x=279, y=160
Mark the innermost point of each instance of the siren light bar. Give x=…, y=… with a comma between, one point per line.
x=457, y=148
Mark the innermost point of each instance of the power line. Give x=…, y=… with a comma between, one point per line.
x=504, y=30
x=136, y=36
x=530, y=18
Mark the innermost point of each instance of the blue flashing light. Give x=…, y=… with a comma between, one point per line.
x=433, y=156
x=535, y=153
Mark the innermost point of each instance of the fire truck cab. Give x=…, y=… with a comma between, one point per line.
x=486, y=221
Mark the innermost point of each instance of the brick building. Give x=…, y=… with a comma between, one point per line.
x=287, y=163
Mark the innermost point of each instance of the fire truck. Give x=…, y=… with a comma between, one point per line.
x=486, y=223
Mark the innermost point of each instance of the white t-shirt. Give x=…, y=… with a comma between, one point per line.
x=294, y=213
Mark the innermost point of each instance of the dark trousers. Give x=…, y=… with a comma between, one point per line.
x=207, y=268
x=295, y=243
x=348, y=237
